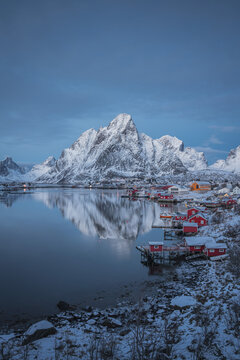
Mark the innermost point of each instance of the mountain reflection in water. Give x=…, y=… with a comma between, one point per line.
x=45, y=259
x=103, y=214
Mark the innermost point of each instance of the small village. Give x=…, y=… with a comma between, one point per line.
x=184, y=228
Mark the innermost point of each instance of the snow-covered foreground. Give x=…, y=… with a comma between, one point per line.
x=193, y=314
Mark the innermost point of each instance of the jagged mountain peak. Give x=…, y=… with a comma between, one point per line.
x=120, y=122
x=171, y=142
x=50, y=161
x=10, y=164
x=8, y=161
x=86, y=134
x=119, y=151
x=232, y=162
x=8, y=158
x=9, y=168
x=234, y=152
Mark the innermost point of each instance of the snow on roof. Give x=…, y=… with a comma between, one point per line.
x=210, y=202
x=214, y=245
x=203, y=182
x=227, y=199
x=155, y=243
x=198, y=215
x=190, y=224
x=197, y=208
x=197, y=240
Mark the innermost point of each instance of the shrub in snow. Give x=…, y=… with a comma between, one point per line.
x=217, y=218
x=237, y=209
x=233, y=264
x=234, y=317
x=232, y=231
x=102, y=347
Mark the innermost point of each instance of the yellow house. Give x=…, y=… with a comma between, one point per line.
x=200, y=186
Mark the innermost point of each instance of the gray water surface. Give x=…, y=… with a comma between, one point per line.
x=74, y=245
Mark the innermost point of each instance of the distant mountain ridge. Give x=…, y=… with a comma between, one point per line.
x=232, y=162
x=10, y=169
x=119, y=151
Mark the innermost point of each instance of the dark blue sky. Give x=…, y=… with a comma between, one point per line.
x=69, y=65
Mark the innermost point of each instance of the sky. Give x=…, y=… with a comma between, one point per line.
x=70, y=65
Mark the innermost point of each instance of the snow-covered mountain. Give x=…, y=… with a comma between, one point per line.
x=9, y=170
x=232, y=162
x=118, y=150
x=41, y=169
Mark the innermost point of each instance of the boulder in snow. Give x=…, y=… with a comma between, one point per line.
x=112, y=323
x=182, y=301
x=38, y=331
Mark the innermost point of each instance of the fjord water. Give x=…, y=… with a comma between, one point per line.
x=71, y=245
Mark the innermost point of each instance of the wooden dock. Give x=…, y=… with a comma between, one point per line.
x=168, y=253
x=160, y=227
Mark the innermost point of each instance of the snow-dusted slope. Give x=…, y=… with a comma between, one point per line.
x=109, y=152
x=10, y=171
x=232, y=162
x=192, y=159
x=118, y=150
x=189, y=157
x=41, y=169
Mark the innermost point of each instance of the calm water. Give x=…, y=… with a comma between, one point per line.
x=72, y=245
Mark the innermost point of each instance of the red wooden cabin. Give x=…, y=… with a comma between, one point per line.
x=194, y=210
x=196, y=244
x=199, y=219
x=155, y=246
x=228, y=202
x=166, y=187
x=215, y=249
x=180, y=217
x=189, y=228
x=165, y=196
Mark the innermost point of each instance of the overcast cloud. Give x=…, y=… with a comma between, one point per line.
x=69, y=65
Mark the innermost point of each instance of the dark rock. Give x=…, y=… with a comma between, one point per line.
x=63, y=306
x=38, y=331
x=124, y=332
x=111, y=323
x=88, y=309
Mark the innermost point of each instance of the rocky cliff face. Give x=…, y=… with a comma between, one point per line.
x=118, y=150
x=232, y=162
